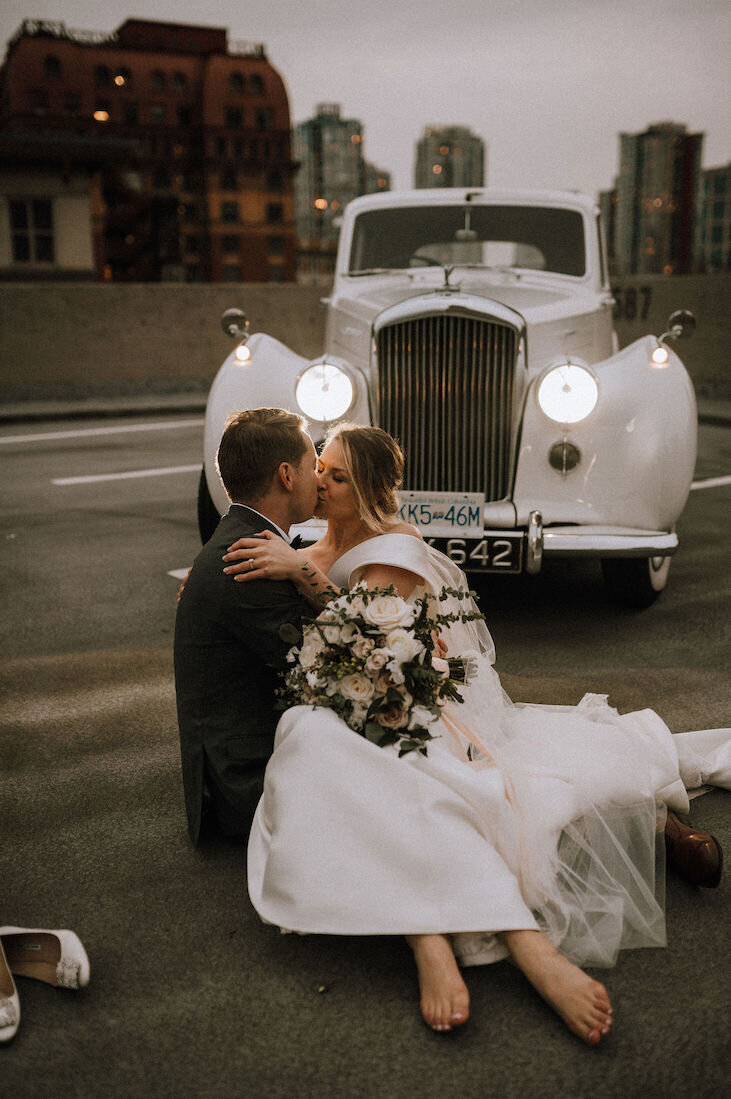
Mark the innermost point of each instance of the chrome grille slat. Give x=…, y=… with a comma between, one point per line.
x=445, y=390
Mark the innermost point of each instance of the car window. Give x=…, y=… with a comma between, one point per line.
x=536, y=237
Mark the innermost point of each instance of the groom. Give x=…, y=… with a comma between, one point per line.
x=227, y=640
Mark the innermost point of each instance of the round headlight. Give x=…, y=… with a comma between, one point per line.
x=324, y=392
x=568, y=393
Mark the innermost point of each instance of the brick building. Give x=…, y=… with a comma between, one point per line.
x=205, y=189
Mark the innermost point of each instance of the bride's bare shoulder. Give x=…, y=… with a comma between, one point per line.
x=405, y=528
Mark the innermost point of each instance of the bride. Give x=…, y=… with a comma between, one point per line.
x=529, y=831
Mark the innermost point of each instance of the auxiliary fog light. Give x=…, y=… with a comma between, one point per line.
x=564, y=456
x=242, y=354
x=324, y=392
x=660, y=356
x=568, y=393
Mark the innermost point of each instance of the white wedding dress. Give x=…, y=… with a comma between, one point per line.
x=519, y=817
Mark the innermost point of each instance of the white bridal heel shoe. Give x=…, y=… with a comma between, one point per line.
x=9, y=1002
x=56, y=957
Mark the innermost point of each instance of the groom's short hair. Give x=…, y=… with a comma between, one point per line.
x=254, y=445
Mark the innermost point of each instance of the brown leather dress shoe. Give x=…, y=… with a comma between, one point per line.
x=695, y=855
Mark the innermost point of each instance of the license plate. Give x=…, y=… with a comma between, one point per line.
x=493, y=551
x=443, y=514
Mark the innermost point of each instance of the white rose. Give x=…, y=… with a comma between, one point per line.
x=377, y=660
x=356, y=687
x=349, y=632
x=421, y=717
x=311, y=649
x=392, y=718
x=440, y=666
x=403, y=646
x=362, y=646
x=386, y=612
x=311, y=678
x=332, y=634
x=395, y=672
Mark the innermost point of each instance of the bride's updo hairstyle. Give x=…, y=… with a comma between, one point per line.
x=374, y=463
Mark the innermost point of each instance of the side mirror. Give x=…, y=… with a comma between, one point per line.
x=681, y=325
x=235, y=324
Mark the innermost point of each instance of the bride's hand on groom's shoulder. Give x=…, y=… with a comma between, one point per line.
x=264, y=556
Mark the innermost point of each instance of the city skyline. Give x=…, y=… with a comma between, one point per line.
x=542, y=86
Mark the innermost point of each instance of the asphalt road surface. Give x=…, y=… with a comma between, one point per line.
x=190, y=994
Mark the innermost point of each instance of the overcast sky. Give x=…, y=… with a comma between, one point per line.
x=548, y=84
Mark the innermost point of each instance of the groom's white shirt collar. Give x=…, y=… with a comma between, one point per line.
x=271, y=522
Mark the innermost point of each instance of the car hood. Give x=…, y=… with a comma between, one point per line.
x=367, y=296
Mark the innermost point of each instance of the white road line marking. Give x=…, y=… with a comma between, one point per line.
x=86, y=432
x=94, y=477
x=179, y=574
x=711, y=482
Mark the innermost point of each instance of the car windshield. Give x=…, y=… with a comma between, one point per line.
x=537, y=237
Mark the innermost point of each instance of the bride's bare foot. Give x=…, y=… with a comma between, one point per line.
x=445, y=1001
x=582, y=1003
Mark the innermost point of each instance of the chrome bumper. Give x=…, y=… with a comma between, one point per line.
x=593, y=541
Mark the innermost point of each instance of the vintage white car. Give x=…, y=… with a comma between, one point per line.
x=476, y=327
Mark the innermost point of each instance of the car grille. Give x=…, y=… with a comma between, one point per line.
x=445, y=391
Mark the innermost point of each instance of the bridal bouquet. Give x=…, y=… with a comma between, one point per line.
x=369, y=655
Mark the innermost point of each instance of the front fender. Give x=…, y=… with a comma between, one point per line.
x=267, y=380
x=638, y=447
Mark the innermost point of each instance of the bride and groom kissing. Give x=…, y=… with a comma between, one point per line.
x=474, y=858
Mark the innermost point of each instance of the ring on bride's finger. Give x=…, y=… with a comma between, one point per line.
x=251, y=563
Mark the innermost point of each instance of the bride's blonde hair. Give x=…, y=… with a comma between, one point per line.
x=374, y=463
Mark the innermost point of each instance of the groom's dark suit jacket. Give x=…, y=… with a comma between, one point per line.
x=226, y=639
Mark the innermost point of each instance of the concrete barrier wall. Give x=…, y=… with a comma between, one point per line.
x=83, y=339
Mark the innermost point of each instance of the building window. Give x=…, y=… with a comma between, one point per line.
x=717, y=234
x=719, y=185
x=130, y=114
x=180, y=82
x=228, y=180
x=264, y=120
x=157, y=113
x=231, y=272
x=275, y=274
x=234, y=116
x=221, y=145
x=188, y=211
x=159, y=80
x=185, y=116
x=275, y=246
x=230, y=246
x=101, y=76
x=52, y=66
x=275, y=213
x=274, y=182
x=229, y=211
x=192, y=244
x=718, y=209
x=31, y=224
x=256, y=84
x=236, y=82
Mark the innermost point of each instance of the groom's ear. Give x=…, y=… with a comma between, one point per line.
x=284, y=476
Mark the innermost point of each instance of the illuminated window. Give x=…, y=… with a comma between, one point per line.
x=436, y=169
x=101, y=114
x=321, y=204
x=31, y=225
x=123, y=78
